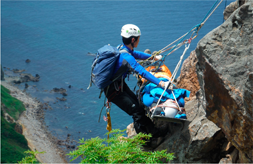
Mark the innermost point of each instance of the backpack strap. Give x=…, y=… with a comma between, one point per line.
x=90, y=80
x=124, y=50
x=92, y=68
x=106, y=91
x=121, y=50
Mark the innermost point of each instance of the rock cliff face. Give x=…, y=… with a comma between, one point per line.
x=219, y=73
x=188, y=77
x=225, y=73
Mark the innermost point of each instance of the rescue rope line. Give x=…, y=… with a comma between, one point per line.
x=180, y=41
x=172, y=79
x=180, y=61
x=212, y=11
x=194, y=30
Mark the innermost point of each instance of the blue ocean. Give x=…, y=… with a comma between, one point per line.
x=58, y=37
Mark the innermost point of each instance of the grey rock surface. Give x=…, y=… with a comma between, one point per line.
x=26, y=77
x=221, y=113
x=225, y=71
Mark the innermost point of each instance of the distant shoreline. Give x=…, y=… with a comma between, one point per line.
x=34, y=128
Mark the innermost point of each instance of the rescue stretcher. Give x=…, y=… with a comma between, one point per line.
x=163, y=105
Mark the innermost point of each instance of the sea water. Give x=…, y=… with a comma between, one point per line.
x=58, y=36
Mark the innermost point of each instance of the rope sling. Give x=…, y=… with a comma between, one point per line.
x=172, y=49
x=179, y=42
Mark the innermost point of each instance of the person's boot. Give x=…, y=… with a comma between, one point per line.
x=153, y=143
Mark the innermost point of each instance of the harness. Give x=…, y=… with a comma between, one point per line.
x=107, y=103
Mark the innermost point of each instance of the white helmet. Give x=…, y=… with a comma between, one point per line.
x=129, y=30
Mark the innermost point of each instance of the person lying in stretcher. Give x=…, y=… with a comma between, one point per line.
x=170, y=105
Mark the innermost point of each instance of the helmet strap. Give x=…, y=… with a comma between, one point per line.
x=132, y=44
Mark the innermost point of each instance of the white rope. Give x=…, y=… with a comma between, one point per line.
x=178, y=39
x=181, y=58
x=163, y=50
x=180, y=61
x=172, y=79
x=211, y=13
x=178, y=46
x=176, y=101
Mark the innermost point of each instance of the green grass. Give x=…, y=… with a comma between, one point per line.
x=13, y=106
x=13, y=144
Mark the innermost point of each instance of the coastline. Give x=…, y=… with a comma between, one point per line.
x=33, y=126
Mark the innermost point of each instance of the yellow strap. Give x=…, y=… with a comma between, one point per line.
x=109, y=124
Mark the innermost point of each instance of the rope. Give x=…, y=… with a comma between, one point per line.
x=212, y=11
x=108, y=104
x=176, y=101
x=179, y=63
x=172, y=79
x=194, y=30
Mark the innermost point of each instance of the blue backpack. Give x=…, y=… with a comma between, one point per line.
x=103, y=66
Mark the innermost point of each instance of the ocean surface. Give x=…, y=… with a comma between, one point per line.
x=57, y=36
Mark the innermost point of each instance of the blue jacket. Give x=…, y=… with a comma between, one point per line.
x=151, y=93
x=127, y=62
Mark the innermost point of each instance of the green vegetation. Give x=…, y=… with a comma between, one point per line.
x=11, y=105
x=13, y=144
x=31, y=158
x=118, y=149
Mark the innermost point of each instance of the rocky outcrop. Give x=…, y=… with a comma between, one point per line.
x=69, y=143
x=27, y=60
x=8, y=118
x=60, y=90
x=18, y=128
x=188, y=76
x=61, y=99
x=18, y=70
x=225, y=73
x=232, y=7
x=26, y=77
x=130, y=130
x=147, y=51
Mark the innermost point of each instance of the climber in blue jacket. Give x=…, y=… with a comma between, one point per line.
x=119, y=92
x=128, y=60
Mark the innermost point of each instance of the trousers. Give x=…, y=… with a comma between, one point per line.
x=128, y=102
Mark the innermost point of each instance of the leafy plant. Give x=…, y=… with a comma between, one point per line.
x=12, y=106
x=31, y=158
x=118, y=149
x=13, y=144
